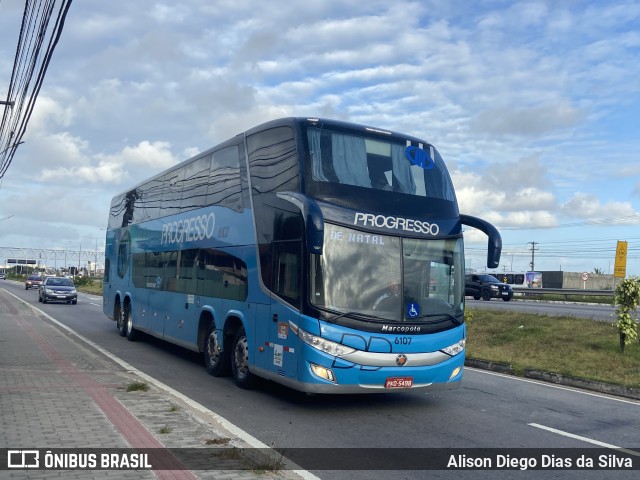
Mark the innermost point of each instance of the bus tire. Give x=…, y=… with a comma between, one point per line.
x=240, y=360
x=486, y=295
x=216, y=360
x=120, y=324
x=131, y=333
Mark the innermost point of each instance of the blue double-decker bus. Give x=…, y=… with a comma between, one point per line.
x=323, y=255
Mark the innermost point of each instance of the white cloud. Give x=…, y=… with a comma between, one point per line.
x=518, y=97
x=532, y=121
x=131, y=164
x=583, y=205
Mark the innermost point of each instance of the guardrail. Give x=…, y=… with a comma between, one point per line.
x=564, y=291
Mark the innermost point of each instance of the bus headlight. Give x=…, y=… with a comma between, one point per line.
x=454, y=349
x=324, y=345
x=323, y=372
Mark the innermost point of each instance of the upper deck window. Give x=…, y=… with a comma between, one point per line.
x=362, y=161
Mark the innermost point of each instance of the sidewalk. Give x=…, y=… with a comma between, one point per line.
x=58, y=392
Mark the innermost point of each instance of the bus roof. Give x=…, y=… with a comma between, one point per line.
x=292, y=122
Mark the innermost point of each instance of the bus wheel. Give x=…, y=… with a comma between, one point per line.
x=216, y=360
x=131, y=333
x=240, y=360
x=120, y=323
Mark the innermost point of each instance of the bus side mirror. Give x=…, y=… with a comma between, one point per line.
x=313, y=219
x=494, y=246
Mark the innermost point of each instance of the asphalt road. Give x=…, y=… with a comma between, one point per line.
x=488, y=411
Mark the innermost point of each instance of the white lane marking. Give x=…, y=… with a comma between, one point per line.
x=559, y=387
x=226, y=424
x=584, y=439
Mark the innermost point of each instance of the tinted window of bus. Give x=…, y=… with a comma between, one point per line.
x=196, y=181
x=358, y=160
x=206, y=272
x=172, y=183
x=273, y=161
x=224, y=179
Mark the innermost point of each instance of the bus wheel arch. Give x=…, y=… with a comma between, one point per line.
x=216, y=356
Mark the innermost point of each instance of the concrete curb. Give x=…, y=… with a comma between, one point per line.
x=557, y=378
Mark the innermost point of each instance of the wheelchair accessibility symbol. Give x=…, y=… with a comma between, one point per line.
x=413, y=310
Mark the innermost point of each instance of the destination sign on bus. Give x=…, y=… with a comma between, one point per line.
x=396, y=223
x=354, y=237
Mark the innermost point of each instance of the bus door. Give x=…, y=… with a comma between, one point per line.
x=287, y=285
x=152, y=317
x=149, y=306
x=180, y=322
x=182, y=306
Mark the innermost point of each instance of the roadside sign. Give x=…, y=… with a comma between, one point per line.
x=585, y=276
x=620, y=267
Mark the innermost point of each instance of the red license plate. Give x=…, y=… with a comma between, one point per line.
x=398, y=382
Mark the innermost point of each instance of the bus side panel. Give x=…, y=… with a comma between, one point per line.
x=261, y=326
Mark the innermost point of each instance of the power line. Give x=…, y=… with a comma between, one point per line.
x=603, y=221
x=32, y=59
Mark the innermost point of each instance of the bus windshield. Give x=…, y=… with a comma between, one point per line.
x=401, y=166
x=388, y=278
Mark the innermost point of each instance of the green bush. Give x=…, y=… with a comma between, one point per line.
x=82, y=281
x=626, y=300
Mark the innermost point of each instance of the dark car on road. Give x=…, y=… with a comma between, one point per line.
x=58, y=289
x=33, y=281
x=486, y=287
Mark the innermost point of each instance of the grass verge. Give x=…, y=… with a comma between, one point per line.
x=566, y=345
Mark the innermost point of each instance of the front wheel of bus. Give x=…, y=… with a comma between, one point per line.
x=240, y=360
x=216, y=360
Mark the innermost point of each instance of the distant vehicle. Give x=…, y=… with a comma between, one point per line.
x=520, y=279
x=58, y=289
x=486, y=287
x=33, y=281
x=2, y=276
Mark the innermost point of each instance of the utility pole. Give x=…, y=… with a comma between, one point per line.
x=533, y=255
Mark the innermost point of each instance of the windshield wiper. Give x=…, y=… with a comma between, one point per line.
x=356, y=315
x=375, y=319
x=456, y=320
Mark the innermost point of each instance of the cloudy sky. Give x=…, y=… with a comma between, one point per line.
x=534, y=106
